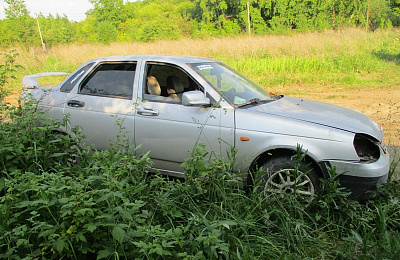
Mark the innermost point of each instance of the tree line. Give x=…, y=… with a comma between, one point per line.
x=148, y=20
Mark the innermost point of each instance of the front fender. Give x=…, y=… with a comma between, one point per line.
x=318, y=149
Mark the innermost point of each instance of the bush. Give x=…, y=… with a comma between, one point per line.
x=57, y=200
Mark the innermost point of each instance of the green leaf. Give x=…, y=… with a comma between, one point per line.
x=118, y=234
x=356, y=237
x=227, y=223
x=59, y=245
x=91, y=227
x=57, y=155
x=67, y=212
x=2, y=183
x=22, y=241
x=104, y=254
x=63, y=200
x=82, y=237
x=178, y=231
x=46, y=233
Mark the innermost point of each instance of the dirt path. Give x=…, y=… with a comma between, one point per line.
x=383, y=106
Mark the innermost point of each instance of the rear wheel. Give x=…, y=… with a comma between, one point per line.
x=283, y=176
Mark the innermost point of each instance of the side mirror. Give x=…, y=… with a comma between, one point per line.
x=195, y=98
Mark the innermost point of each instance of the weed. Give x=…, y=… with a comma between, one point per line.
x=57, y=200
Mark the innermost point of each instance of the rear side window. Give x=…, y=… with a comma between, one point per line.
x=111, y=80
x=73, y=79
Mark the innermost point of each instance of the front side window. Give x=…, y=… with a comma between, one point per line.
x=167, y=83
x=111, y=80
x=233, y=86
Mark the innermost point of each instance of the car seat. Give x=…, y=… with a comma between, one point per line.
x=175, y=87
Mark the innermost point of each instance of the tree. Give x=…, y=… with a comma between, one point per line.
x=15, y=9
x=86, y=31
x=378, y=14
x=219, y=17
x=56, y=29
x=395, y=6
x=106, y=32
x=157, y=19
x=20, y=27
x=107, y=10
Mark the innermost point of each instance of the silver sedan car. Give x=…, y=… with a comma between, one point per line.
x=170, y=104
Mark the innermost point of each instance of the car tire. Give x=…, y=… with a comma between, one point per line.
x=280, y=178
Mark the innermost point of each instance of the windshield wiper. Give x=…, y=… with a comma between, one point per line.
x=274, y=96
x=255, y=101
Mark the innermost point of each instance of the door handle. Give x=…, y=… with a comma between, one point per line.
x=75, y=103
x=147, y=112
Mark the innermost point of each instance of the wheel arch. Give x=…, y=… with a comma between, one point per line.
x=270, y=154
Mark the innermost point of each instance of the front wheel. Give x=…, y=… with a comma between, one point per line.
x=283, y=176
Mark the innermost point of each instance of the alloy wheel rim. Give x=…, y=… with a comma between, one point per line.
x=286, y=181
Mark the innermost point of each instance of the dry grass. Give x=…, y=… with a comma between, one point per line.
x=304, y=45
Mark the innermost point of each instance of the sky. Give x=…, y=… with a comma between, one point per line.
x=74, y=9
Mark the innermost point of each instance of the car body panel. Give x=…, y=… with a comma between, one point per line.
x=102, y=119
x=322, y=113
x=180, y=126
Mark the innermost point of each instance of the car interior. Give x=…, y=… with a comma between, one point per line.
x=167, y=83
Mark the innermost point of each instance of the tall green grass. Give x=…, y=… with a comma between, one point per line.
x=58, y=201
x=348, y=58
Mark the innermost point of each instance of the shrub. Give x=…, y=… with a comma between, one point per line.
x=59, y=199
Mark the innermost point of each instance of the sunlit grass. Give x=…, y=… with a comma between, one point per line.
x=348, y=58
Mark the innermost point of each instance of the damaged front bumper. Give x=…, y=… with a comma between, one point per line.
x=363, y=178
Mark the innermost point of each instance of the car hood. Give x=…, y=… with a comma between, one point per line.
x=321, y=113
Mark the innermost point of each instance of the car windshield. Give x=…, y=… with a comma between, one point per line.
x=233, y=86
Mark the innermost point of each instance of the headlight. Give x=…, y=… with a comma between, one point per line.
x=367, y=148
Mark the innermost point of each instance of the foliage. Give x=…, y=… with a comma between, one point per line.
x=149, y=20
x=57, y=200
x=15, y=9
x=109, y=206
x=58, y=30
x=106, y=10
x=7, y=72
x=19, y=31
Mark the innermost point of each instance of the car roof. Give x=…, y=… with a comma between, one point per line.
x=157, y=58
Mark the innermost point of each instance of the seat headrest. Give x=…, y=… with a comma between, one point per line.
x=175, y=83
x=153, y=86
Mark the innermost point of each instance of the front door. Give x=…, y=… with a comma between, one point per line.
x=169, y=130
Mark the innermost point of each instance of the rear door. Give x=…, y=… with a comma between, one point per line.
x=102, y=104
